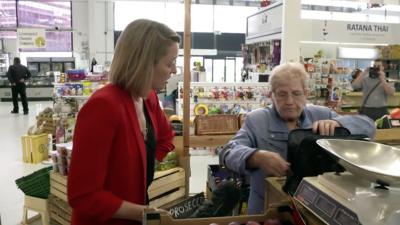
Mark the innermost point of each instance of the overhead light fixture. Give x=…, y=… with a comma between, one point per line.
x=335, y=3
x=357, y=53
x=200, y=51
x=343, y=43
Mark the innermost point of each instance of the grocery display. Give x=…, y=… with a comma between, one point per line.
x=217, y=110
x=223, y=98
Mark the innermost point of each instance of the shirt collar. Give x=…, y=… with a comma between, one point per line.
x=277, y=124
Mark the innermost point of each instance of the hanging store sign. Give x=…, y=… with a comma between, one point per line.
x=31, y=38
x=351, y=32
x=266, y=24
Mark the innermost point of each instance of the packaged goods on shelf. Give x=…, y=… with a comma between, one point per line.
x=97, y=77
x=61, y=158
x=76, y=74
x=224, y=98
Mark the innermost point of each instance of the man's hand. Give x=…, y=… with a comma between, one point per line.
x=270, y=162
x=325, y=127
x=12, y=84
x=22, y=80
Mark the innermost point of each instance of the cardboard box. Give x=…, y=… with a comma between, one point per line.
x=35, y=148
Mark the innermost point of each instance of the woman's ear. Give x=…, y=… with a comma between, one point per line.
x=269, y=94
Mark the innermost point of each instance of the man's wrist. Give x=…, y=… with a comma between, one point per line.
x=252, y=161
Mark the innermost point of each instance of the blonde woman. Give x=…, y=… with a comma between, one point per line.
x=121, y=130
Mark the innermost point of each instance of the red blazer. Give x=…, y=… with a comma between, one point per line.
x=108, y=162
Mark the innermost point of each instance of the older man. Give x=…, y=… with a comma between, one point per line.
x=259, y=148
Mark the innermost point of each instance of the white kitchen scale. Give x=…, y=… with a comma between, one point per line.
x=327, y=196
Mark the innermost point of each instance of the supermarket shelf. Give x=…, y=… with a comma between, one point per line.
x=75, y=96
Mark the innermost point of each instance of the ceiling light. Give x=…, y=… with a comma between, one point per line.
x=343, y=43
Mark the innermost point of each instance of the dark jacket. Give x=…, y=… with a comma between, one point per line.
x=17, y=72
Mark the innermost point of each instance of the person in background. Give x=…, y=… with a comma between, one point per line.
x=92, y=64
x=376, y=90
x=354, y=74
x=259, y=148
x=121, y=130
x=17, y=74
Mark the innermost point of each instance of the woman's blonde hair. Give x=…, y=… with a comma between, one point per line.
x=288, y=71
x=141, y=45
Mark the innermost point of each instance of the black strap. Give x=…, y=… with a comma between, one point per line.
x=369, y=93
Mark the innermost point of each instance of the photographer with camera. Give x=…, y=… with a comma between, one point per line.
x=376, y=90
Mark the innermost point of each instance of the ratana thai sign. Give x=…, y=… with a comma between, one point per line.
x=350, y=32
x=367, y=27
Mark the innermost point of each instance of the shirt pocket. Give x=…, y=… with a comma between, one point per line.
x=275, y=142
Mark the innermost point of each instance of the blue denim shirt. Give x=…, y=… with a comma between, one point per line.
x=265, y=130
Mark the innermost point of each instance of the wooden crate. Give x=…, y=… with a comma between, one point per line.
x=163, y=218
x=167, y=186
x=60, y=211
x=35, y=148
x=58, y=186
x=273, y=192
x=216, y=124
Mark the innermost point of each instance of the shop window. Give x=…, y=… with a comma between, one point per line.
x=230, y=70
x=51, y=15
x=8, y=17
x=54, y=16
x=8, y=34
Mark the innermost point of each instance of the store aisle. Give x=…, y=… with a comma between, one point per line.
x=11, y=166
x=198, y=177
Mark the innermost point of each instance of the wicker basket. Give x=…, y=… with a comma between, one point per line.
x=36, y=184
x=216, y=124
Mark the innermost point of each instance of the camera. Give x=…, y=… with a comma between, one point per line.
x=374, y=72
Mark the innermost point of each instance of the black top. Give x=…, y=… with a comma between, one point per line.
x=17, y=72
x=150, y=147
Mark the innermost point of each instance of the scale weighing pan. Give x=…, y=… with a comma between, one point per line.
x=371, y=161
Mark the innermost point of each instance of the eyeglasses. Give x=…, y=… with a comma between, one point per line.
x=296, y=95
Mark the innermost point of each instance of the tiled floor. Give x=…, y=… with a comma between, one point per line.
x=12, y=127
